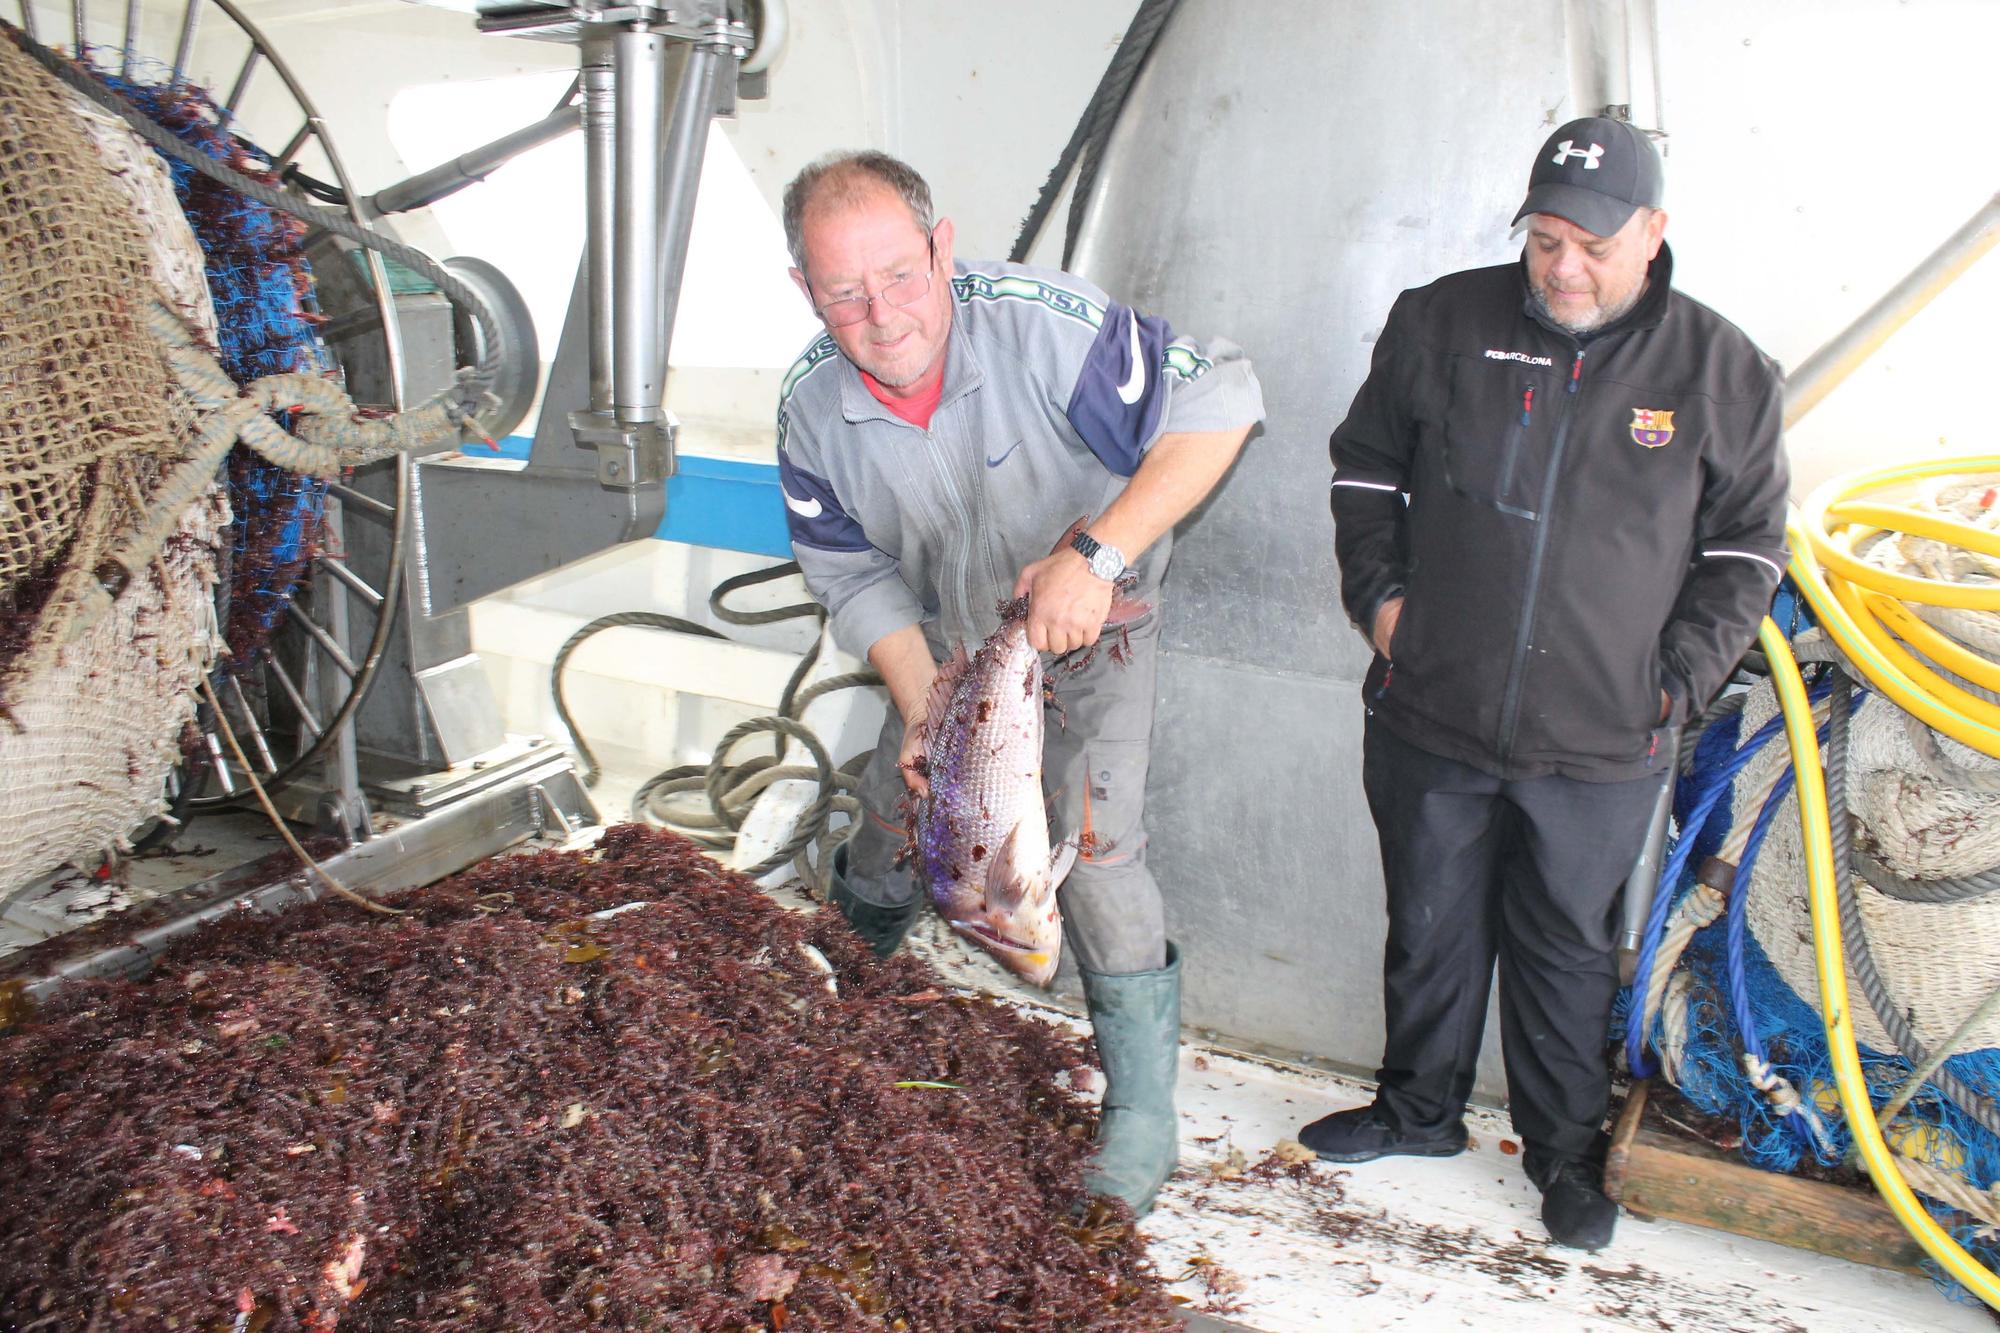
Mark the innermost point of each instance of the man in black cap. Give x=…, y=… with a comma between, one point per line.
x=1559, y=504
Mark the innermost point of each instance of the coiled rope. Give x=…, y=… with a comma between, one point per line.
x=728, y=790
x=1861, y=959
x=329, y=437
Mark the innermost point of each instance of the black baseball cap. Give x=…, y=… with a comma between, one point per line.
x=1596, y=173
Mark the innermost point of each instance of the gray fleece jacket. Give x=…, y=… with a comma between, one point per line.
x=1052, y=395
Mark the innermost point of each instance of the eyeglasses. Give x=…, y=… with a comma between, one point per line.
x=907, y=290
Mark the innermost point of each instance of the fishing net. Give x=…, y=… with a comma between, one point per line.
x=94, y=693
x=563, y=1090
x=261, y=285
x=87, y=414
x=1759, y=993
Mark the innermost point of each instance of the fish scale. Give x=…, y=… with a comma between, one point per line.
x=981, y=837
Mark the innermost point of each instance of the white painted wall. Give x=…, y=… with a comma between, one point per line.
x=1819, y=149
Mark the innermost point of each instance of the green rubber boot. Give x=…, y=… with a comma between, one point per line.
x=881, y=928
x=1137, y=1021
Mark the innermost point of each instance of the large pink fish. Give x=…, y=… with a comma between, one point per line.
x=981, y=837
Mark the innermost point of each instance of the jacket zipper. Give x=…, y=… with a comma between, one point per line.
x=962, y=617
x=1510, y=706
x=1520, y=438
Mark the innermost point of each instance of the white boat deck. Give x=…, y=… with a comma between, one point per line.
x=1455, y=1243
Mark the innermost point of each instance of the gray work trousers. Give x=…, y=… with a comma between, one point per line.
x=1094, y=757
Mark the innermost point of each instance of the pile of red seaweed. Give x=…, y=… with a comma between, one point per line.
x=513, y=1107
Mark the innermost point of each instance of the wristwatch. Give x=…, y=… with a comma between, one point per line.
x=1106, y=562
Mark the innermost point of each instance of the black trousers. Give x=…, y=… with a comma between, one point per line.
x=1530, y=872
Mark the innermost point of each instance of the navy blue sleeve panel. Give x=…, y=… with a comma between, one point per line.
x=1120, y=399
x=813, y=513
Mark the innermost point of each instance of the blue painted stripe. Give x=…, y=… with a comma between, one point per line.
x=725, y=503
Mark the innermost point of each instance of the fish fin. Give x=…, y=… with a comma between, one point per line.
x=945, y=684
x=1062, y=542
x=1060, y=860
x=1007, y=881
x=1124, y=610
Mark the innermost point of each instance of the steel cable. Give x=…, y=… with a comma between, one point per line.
x=1098, y=115
x=1957, y=889
x=592, y=770
x=729, y=788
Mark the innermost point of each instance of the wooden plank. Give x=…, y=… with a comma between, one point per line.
x=1653, y=1175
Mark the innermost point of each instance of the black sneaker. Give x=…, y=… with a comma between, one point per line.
x=1574, y=1207
x=1364, y=1133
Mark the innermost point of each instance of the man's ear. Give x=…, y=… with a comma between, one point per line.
x=805, y=288
x=1656, y=229
x=942, y=234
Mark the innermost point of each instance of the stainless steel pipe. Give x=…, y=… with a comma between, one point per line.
x=1819, y=374
x=427, y=187
x=600, y=128
x=695, y=103
x=638, y=357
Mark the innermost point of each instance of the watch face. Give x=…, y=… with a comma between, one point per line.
x=1106, y=563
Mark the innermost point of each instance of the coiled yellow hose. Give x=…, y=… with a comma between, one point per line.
x=1858, y=604
x=1860, y=607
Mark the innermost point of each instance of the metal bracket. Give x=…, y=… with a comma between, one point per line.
x=629, y=454
x=703, y=22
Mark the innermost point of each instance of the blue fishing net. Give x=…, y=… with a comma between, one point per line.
x=261, y=285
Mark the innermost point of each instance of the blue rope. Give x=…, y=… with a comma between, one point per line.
x=1711, y=794
x=1739, y=918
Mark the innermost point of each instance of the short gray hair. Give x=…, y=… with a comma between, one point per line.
x=848, y=173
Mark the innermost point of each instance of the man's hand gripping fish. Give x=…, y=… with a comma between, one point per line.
x=981, y=835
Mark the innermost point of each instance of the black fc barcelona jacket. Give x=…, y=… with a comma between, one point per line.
x=1575, y=523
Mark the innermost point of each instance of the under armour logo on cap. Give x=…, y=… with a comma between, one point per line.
x=1564, y=152
x=1596, y=173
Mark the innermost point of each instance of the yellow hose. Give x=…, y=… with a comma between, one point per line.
x=1855, y=602
x=1831, y=963
x=1861, y=608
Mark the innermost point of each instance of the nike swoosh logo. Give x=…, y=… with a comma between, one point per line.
x=996, y=462
x=803, y=508
x=1129, y=391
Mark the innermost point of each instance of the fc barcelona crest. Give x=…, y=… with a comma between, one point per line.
x=1651, y=429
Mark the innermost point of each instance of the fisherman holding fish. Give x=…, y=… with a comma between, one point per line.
x=1594, y=522
x=946, y=432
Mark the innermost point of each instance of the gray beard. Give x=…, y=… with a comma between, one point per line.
x=1590, y=323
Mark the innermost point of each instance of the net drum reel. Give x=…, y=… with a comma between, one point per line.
x=291, y=708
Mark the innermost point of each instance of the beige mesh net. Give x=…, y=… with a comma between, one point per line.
x=86, y=405
x=90, y=419
x=114, y=420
